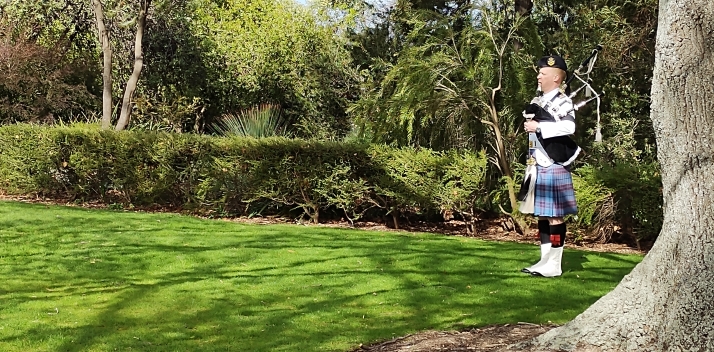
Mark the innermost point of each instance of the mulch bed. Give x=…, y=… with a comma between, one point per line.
x=487, y=339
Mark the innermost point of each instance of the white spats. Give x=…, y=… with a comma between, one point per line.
x=552, y=266
x=544, y=255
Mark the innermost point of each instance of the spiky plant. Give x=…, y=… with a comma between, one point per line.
x=260, y=121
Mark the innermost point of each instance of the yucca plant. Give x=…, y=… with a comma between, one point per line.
x=260, y=121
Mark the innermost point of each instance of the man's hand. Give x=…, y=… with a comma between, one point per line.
x=530, y=126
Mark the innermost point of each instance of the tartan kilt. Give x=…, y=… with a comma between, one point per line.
x=554, y=193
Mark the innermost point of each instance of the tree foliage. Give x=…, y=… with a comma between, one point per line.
x=436, y=94
x=626, y=30
x=279, y=53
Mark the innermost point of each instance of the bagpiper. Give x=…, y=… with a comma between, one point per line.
x=548, y=191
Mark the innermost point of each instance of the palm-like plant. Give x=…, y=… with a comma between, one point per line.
x=264, y=120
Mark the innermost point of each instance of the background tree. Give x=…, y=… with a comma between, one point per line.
x=454, y=84
x=277, y=52
x=50, y=20
x=665, y=303
x=104, y=39
x=129, y=16
x=182, y=84
x=127, y=102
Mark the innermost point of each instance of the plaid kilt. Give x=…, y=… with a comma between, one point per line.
x=554, y=193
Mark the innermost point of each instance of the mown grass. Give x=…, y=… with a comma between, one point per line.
x=73, y=279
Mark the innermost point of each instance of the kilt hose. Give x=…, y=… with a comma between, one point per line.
x=554, y=193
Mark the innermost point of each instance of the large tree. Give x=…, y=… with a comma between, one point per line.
x=666, y=303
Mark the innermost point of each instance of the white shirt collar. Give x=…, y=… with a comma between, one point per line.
x=551, y=94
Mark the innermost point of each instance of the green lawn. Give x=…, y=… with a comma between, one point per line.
x=85, y=280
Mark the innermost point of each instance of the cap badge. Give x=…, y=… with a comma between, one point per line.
x=551, y=61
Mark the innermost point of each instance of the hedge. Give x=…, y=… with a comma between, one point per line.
x=238, y=176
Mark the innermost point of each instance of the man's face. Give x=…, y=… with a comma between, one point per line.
x=549, y=78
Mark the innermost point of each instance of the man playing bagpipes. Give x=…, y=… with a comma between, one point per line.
x=547, y=191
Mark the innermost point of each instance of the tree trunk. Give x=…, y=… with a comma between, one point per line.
x=103, y=37
x=126, y=104
x=667, y=302
x=523, y=8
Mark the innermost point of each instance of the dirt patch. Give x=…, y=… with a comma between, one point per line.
x=487, y=339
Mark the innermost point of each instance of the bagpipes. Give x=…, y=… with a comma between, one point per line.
x=590, y=93
x=560, y=149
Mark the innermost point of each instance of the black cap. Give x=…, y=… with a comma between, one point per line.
x=553, y=61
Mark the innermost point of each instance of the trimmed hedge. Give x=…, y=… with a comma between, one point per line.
x=238, y=176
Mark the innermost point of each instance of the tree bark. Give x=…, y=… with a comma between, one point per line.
x=126, y=104
x=667, y=302
x=103, y=37
x=523, y=8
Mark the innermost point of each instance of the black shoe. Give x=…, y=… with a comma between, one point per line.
x=525, y=270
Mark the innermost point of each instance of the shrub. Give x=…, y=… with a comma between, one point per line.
x=596, y=213
x=637, y=190
x=28, y=161
x=628, y=196
x=238, y=176
x=42, y=83
x=260, y=121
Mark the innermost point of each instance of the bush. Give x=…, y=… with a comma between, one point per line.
x=28, y=161
x=637, y=190
x=423, y=180
x=624, y=195
x=238, y=176
x=596, y=210
x=41, y=82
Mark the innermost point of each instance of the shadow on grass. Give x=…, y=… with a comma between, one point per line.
x=96, y=280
